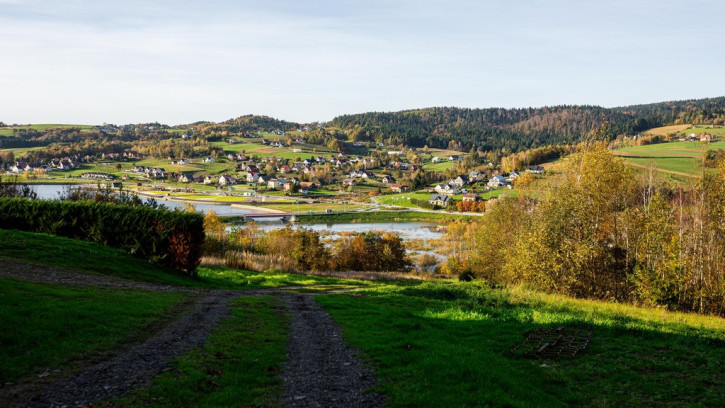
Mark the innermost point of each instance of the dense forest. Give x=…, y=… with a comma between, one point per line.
x=513, y=130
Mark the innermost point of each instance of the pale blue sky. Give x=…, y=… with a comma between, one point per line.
x=76, y=61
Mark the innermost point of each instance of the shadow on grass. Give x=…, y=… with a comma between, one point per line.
x=448, y=345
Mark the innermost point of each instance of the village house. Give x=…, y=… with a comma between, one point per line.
x=513, y=175
x=388, y=179
x=186, y=178
x=534, y=169
x=21, y=166
x=475, y=176
x=274, y=184
x=156, y=172
x=263, y=180
x=97, y=176
x=446, y=189
x=471, y=197
x=349, y=182
x=439, y=200
x=209, y=180
x=459, y=181
x=497, y=181
x=398, y=188
x=455, y=157
x=65, y=164
x=435, y=159
x=226, y=179
x=209, y=160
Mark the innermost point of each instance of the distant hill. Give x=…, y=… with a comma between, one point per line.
x=246, y=123
x=519, y=129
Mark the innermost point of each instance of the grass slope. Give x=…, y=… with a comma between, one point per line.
x=94, y=258
x=680, y=158
x=47, y=327
x=447, y=345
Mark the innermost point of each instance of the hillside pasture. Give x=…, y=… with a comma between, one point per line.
x=283, y=152
x=680, y=158
x=439, y=167
x=719, y=131
x=666, y=130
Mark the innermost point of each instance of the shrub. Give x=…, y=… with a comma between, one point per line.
x=169, y=238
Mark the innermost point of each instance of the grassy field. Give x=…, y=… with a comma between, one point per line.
x=283, y=152
x=666, y=130
x=432, y=344
x=21, y=151
x=47, y=126
x=680, y=158
x=441, y=345
x=253, y=342
x=408, y=200
x=9, y=130
x=44, y=328
x=706, y=129
x=94, y=258
x=685, y=130
x=442, y=166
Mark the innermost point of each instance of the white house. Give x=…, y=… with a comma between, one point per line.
x=497, y=181
x=226, y=179
x=447, y=189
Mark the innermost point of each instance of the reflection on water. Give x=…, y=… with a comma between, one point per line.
x=406, y=230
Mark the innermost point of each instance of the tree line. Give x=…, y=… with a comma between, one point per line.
x=513, y=130
x=603, y=231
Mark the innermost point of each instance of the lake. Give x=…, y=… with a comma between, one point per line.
x=406, y=230
x=53, y=191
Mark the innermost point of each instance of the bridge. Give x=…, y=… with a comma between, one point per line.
x=285, y=216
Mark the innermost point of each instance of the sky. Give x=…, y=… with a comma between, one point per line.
x=177, y=62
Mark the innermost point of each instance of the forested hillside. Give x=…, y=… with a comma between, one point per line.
x=511, y=130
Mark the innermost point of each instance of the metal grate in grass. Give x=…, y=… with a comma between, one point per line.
x=552, y=342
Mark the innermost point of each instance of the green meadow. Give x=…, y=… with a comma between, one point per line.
x=680, y=158
x=431, y=343
x=440, y=344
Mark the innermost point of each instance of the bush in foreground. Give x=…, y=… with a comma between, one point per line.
x=169, y=238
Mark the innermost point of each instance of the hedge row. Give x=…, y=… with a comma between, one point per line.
x=169, y=238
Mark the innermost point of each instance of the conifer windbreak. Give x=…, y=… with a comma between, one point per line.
x=169, y=238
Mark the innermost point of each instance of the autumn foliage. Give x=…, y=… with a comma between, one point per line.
x=603, y=231
x=471, y=206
